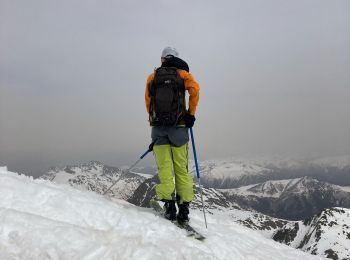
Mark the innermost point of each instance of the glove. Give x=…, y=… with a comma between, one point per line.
x=150, y=147
x=189, y=120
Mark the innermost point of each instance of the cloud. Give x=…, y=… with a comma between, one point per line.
x=274, y=77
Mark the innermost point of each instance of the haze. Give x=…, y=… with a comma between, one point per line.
x=274, y=77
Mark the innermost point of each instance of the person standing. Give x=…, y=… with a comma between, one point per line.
x=170, y=118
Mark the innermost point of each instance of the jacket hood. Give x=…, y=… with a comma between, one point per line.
x=177, y=63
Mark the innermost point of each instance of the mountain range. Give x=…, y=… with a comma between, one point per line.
x=237, y=172
x=292, y=199
x=97, y=177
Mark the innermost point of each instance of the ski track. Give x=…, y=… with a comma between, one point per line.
x=43, y=220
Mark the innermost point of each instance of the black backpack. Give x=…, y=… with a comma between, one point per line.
x=167, y=92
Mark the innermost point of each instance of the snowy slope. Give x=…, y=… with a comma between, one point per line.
x=266, y=225
x=327, y=234
x=230, y=173
x=43, y=220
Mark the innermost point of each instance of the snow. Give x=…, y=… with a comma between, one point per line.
x=344, y=188
x=333, y=225
x=302, y=232
x=97, y=177
x=61, y=176
x=272, y=189
x=44, y=220
x=330, y=230
x=231, y=168
x=256, y=165
x=242, y=215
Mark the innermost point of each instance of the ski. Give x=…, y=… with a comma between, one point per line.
x=191, y=232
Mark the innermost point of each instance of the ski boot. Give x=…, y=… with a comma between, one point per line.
x=182, y=216
x=170, y=210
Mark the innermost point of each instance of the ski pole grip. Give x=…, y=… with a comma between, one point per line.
x=194, y=153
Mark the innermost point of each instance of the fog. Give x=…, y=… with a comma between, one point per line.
x=274, y=78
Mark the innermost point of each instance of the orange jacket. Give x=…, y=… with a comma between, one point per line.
x=190, y=85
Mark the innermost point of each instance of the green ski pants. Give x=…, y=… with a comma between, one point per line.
x=169, y=157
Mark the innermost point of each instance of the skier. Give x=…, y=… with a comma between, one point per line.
x=170, y=119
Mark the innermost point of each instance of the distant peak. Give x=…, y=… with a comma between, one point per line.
x=308, y=178
x=95, y=163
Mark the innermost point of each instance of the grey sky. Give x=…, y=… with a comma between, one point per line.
x=274, y=77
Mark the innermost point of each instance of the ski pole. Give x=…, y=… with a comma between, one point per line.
x=132, y=166
x=198, y=175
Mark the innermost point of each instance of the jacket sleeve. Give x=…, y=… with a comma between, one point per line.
x=147, y=96
x=193, y=89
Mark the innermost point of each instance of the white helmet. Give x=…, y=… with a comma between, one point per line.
x=170, y=51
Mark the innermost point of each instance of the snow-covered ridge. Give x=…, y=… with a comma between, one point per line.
x=272, y=189
x=276, y=161
x=229, y=173
x=326, y=234
x=96, y=176
x=235, y=168
x=43, y=220
x=242, y=171
x=330, y=233
x=276, y=188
